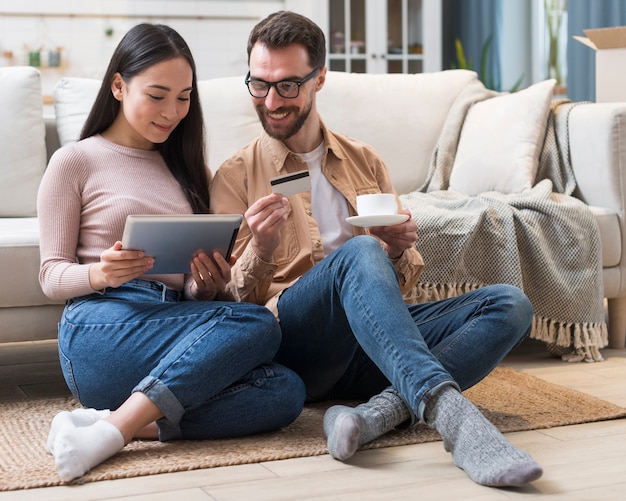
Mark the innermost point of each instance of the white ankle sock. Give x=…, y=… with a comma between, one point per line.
x=78, y=449
x=78, y=417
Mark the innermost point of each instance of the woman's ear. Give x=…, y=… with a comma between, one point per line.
x=117, y=86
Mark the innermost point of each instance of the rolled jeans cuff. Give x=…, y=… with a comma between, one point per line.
x=168, y=404
x=421, y=408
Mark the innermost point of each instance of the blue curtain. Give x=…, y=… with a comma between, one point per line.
x=581, y=67
x=473, y=22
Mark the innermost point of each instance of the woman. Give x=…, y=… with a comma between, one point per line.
x=173, y=355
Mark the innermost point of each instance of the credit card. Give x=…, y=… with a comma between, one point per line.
x=290, y=184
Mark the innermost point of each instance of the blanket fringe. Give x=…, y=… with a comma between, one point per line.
x=573, y=342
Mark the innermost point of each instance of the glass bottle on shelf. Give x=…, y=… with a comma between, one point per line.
x=348, y=35
x=405, y=40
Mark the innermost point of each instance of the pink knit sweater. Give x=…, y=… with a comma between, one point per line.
x=86, y=193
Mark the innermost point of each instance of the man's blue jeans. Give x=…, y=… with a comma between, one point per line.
x=206, y=365
x=348, y=333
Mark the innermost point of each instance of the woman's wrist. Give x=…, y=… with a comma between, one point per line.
x=96, y=278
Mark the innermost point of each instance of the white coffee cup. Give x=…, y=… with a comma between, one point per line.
x=376, y=204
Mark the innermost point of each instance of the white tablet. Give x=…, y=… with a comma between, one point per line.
x=173, y=240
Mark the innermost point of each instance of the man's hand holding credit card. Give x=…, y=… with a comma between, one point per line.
x=291, y=184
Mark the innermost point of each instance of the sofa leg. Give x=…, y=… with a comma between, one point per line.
x=617, y=322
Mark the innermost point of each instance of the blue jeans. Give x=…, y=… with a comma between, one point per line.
x=207, y=366
x=348, y=333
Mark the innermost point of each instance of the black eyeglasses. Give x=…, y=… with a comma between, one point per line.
x=285, y=88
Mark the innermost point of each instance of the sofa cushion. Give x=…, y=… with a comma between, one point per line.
x=230, y=119
x=22, y=141
x=501, y=140
x=401, y=116
x=19, y=263
x=348, y=103
x=73, y=99
x=405, y=133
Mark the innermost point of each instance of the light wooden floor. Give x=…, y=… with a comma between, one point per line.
x=584, y=462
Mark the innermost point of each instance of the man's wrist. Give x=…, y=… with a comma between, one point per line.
x=396, y=259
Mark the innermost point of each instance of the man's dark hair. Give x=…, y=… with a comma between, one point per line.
x=284, y=28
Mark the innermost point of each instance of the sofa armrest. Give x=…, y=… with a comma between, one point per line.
x=597, y=138
x=597, y=135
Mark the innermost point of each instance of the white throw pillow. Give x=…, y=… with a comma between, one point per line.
x=73, y=99
x=501, y=141
x=22, y=141
x=401, y=116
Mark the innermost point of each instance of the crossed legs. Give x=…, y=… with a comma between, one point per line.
x=351, y=301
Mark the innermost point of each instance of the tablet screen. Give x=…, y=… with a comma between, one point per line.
x=173, y=240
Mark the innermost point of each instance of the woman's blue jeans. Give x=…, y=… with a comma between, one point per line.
x=348, y=333
x=206, y=365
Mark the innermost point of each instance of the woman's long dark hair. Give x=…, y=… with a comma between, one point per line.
x=142, y=47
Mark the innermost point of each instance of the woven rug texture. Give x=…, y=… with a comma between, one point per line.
x=512, y=400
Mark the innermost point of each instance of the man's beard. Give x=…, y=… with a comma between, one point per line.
x=297, y=125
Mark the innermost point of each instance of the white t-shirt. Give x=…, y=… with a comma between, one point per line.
x=329, y=207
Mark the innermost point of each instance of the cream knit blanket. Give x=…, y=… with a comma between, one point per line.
x=542, y=240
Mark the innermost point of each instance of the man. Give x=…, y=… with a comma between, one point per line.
x=338, y=292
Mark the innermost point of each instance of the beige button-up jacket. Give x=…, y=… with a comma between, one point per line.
x=351, y=166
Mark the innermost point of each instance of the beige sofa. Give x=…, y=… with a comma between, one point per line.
x=402, y=116
x=25, y=313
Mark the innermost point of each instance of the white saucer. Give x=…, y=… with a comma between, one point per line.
x=378, y=220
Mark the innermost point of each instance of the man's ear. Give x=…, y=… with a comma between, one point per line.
x=321, y=79
x=117, y=86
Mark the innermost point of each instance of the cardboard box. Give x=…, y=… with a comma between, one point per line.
x=610, y=47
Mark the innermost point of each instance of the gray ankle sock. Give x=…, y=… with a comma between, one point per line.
x=349, y=428
x=476, y=445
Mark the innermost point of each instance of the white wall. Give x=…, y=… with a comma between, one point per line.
x=216, y=32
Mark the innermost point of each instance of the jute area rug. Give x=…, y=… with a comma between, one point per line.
x=513, y=401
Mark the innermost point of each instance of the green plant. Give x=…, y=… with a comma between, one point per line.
x=483, y=73
x=555, y=11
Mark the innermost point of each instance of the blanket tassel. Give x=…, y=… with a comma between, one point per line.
x=573, y=342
